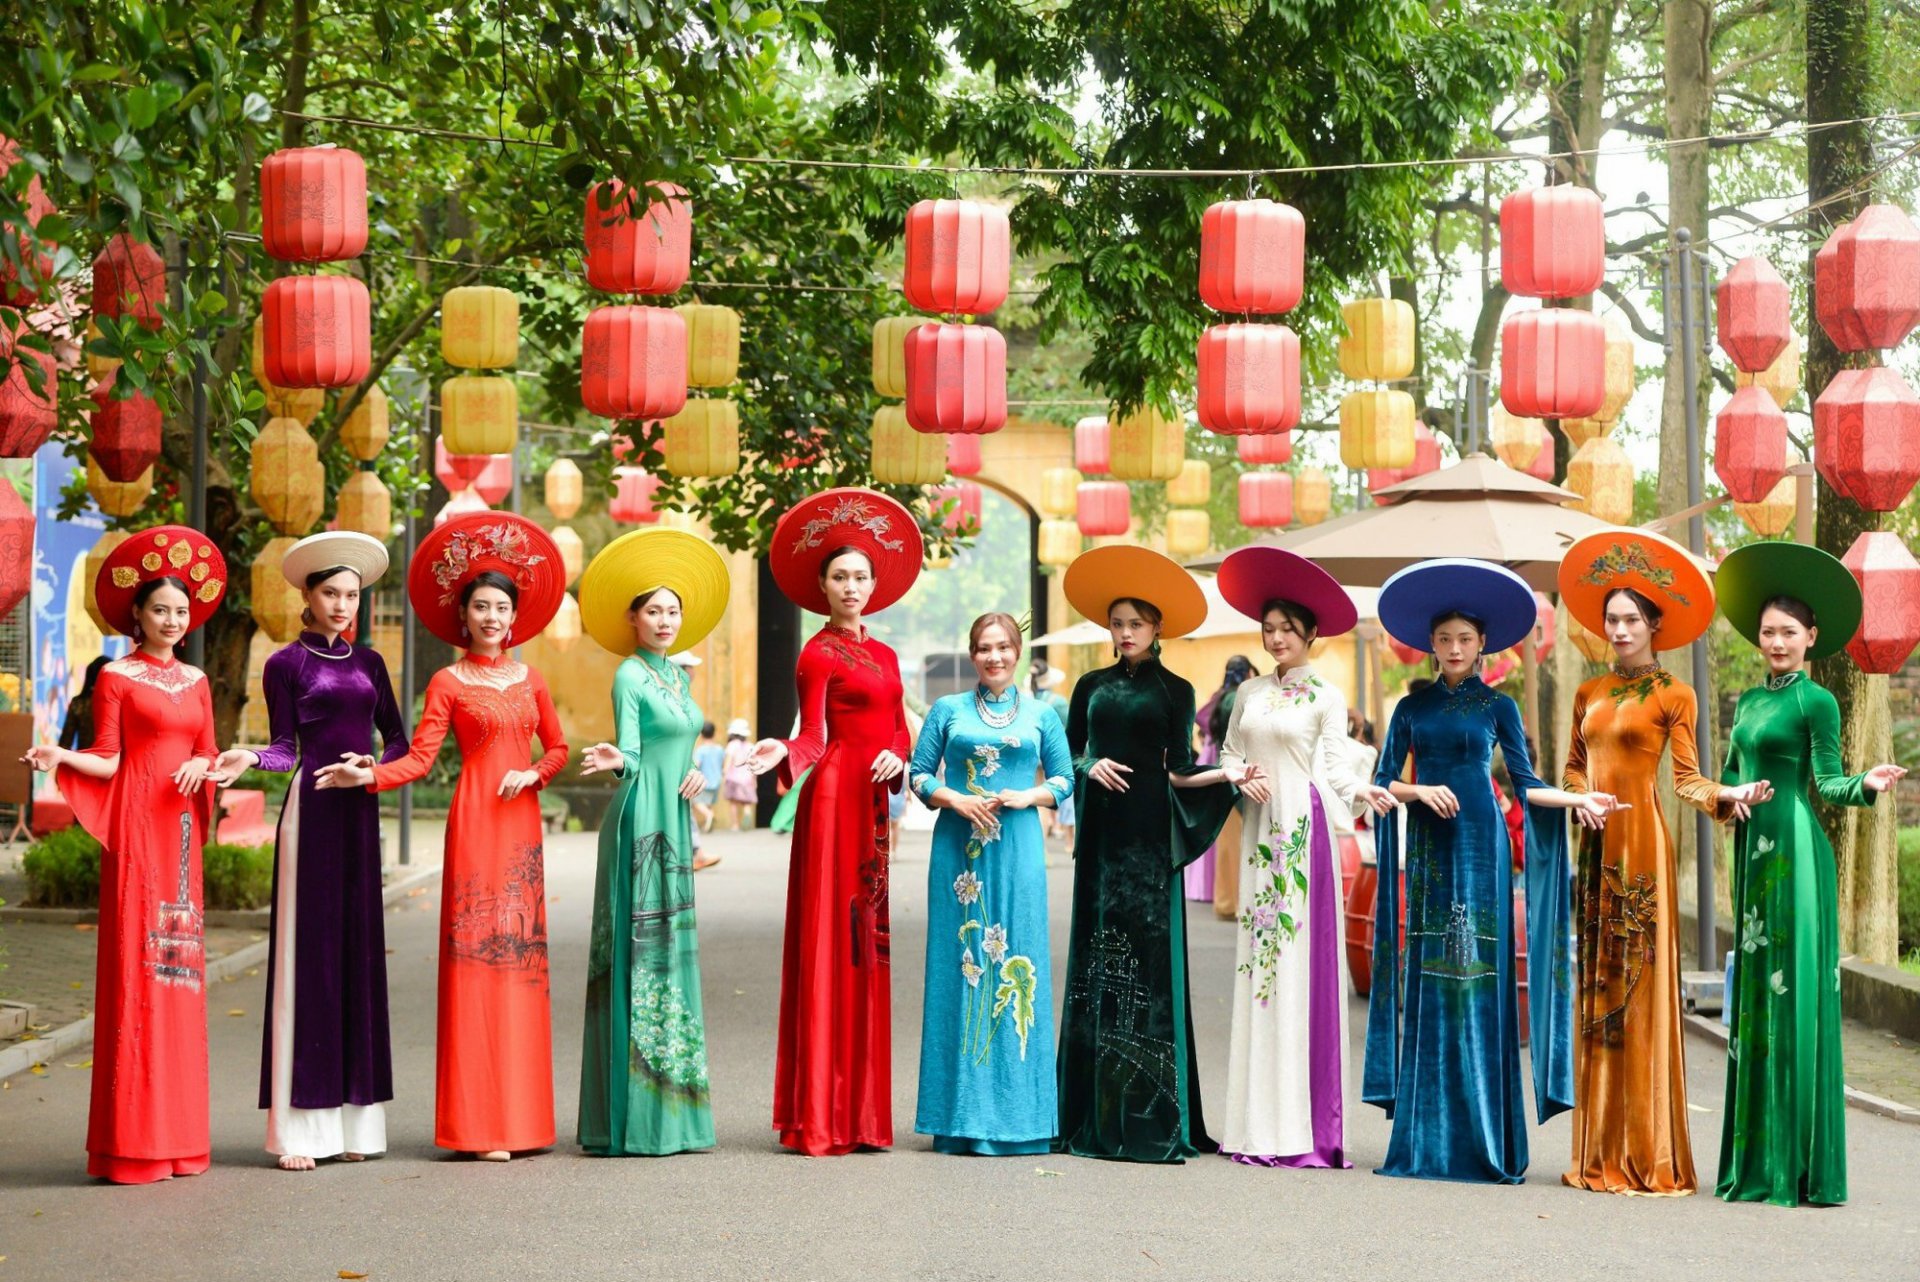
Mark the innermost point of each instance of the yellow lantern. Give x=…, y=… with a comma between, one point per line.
x=1059, y=489
x=1312, y=496
x=1619, y=376
x=302, y=404
x=276, y=602
x=1059, y=542
x=565, y=628
x=366, y=430
x=366, y=505
x=479, y=414
x=1596, y=648
x=713, y=345
x=1189, y=532
x=573, y=553
x=289, y=483
x=1780, y=379
x=890, y=354
x=563, y=489
x=703, y=439
x=937, y=561
x=1579, y=431
x=1772, y=515
x=117, y=498
x=1376, y=429
x=99, y=367
x=480, y=327
x=97, y=557
x=1193, y=487
x=902, y=456
x=687, y=521
x=1379, y=339
x=1146, y=445
x=1516, y=441
x=1602, y=474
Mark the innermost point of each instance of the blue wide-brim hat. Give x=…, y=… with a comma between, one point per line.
x=1413, y=598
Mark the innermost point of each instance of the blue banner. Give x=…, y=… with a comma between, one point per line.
x=63, y=636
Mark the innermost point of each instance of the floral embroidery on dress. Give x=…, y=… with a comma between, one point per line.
x=1283, y=695
x=849, y=652
x=1266, y=918
x=666, y=1042
x=172, y=679
x=966, y=887
x=1638, y=689
x=1468, y=697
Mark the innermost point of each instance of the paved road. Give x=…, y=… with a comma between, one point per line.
x=750, y=1210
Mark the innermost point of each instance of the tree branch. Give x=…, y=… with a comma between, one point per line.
x=1619, y=299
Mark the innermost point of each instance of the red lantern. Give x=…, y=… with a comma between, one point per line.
x=1249, y=379
x=1406, y=653
x=1541, y=469
x=1889, y=580
x=963, y=455
x=633, y=497
x=633, y=362
x=959, y=257
x=126, y=433
x=130, y=280
x=963, y=516
x=1093, y=446
x=313, y=204
x=318, y=331
x=456, y=472
x=1553, y=363
x=459, y=504
x=18, y=289
x=808, y=448
x=1543, y=626
x=1750, y=445
x=1268, y=447
x=1553, y=242
x=16, y=550
x=1752, y=313
x=956, y=379
x=631, y=251
x=1103, y=508
x=27, y=417
x=1866, y=282
x=1866, y=437
x=1266, y=500
x=1252, y=256
x=494, y=481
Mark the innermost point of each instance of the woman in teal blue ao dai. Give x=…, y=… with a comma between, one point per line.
x=986, y=1041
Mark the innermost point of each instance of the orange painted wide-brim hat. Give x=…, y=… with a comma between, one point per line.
x=1656, y=567
x=165, y=551
x=452, y=555
x=867, y=521
x=1101, y=576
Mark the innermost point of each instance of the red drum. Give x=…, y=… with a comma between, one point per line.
x=1349, y=865
x=1360, y=909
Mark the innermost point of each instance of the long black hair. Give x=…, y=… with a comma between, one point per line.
x=1240, y=669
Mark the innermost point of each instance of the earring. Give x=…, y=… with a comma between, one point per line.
x=464, y=634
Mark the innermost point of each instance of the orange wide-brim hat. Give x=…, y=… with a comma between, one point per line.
x=1657, y=568
x=165, y=551
x=452, y=555
x=1099, y=577
x=869, y=522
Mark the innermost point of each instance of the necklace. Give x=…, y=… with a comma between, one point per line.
x=1782, y=681
x=1629, y=674
x=323, y=654
x=997, y=720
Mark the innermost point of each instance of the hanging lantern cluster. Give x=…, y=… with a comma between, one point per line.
x=1377, y=424
x=1189, y=526
x=1617, y=388
x=117, y=498
x=27, y=416
x=317, y=330
x=276, y=602
x=23, y=286
x=1103, y=508
x=1771, y=516
x=1866, y=280
x=936, y=454
x=130, y=282
x=1781, y=379
x=126, y=431
x=563, y=489
x=1866, y=424
x=958, y=262
x=1889, y=581
x=1552, y=360
x=1602, y=475
x=288, y=480
x=1755, y=325
x=1266, y=500
x=301, y=404
x=1059, y=537
x=480, y=330
x=1146, y=445
x=1866, y=437
x=1252, y=263
x=489, y=476
x=1276, y=448
x=634, y=358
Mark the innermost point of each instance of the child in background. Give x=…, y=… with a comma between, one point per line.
x=710, y=760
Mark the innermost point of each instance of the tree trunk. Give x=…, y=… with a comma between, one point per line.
x=1840, y=71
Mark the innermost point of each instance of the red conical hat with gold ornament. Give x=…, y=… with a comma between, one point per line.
x=165, y=551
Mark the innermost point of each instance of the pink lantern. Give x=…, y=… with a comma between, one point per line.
x=963, y=516
x=27, y=417
x=1252, y=257
x=460, y=504
x=1752, y=313
x=1553, y=363
x=1889, y=580
x=1102, y=508
x=633, y=362
x=1093, y=445
x=956, y=379
x=126, y=433
x=1541, y=469
x=1750, y=445
x=1266, y=448
x=1266, y=500
x=959, y=257
x=1405, y=653
x=963, y=455
x=495, y=480
x=313, y=204
x=639, y=240
x=1553, y=242
x=632, y=502
x=130, y=280
x=1866, y=437
x=317, y=331
x=1544, y=626
x=1249, y=379
x=1867, y=280
x=482, y=472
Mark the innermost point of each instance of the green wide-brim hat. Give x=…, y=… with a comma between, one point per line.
x=1755, y=574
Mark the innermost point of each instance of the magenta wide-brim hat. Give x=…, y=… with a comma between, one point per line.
x=1251, y=577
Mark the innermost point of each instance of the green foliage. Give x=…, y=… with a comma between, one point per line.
x=237, y=877
x=63, y=869
x=1909, y=882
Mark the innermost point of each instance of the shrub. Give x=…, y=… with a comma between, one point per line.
x=237, y=876
x=1909, y=889
x=63, y=869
